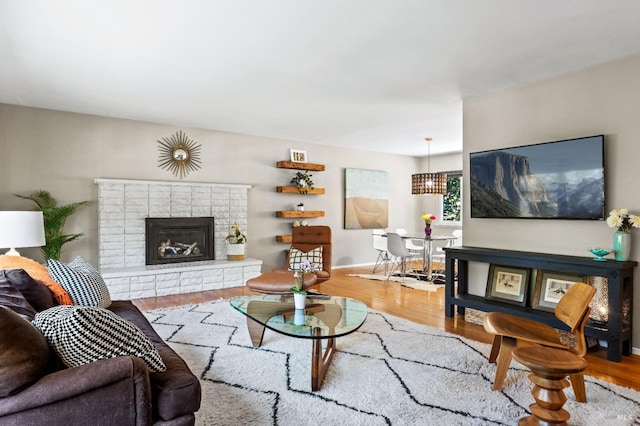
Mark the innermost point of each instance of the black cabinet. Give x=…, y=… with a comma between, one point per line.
x=616, y=332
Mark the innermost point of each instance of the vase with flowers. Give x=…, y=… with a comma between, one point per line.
x=299, y=293
x=623, y=222
x=427, y=217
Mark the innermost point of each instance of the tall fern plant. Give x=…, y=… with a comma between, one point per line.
x=54, y=219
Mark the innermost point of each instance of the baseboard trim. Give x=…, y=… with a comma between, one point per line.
x=355, y=265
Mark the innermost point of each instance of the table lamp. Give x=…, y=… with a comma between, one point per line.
x=21, y=229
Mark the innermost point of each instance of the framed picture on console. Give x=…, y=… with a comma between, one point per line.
x=550, y=287
x=508, y=284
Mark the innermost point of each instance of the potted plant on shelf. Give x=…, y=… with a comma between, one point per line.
x=55, y=217
x=303, y=181
x=299, y=293
x=236, y=243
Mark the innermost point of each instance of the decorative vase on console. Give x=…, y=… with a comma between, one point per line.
x=622, y=245
x=427, y=217
x=623, y=222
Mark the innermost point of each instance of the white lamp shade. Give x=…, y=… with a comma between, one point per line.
x=21, y=229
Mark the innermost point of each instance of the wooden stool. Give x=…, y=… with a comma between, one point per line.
x=550, y=368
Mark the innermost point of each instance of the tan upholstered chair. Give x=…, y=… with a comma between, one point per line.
x=305, y=239
x=572, y=309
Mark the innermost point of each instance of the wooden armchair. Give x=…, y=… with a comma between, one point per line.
x=304, y=239
x=509, y=330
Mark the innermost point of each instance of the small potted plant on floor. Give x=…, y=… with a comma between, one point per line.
x=236, y=243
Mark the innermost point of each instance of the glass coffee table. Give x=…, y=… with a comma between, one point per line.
x=322, y=319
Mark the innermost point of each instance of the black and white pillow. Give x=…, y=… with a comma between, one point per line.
x=296, y=257
x=83, y=334
x=82, y=281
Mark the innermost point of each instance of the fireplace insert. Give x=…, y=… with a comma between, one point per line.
x=178, y=239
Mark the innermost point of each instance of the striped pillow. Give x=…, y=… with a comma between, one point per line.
x=82, y=281
x=82, y=334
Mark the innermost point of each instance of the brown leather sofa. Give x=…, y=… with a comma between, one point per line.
x=113, y=391
x=304, y=238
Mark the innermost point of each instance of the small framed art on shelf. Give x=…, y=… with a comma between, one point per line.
x=550, y=287
x=507, y=284
x=298, y=156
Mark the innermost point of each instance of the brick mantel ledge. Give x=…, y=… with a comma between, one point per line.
x=163, y=182
x=187, y=277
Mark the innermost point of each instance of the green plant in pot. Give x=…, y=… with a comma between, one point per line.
x=55, y=217
x=303, y=181
x=236, y=243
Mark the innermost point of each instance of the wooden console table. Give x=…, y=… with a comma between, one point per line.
x=617, y=331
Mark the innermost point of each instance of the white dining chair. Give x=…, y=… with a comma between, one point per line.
x=414, y=245
x=380, y=244
x=439, y=255
x=398, y=249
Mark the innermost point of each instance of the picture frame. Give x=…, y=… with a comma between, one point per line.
x=508, y=284
x=298, y=156
x=366, y=199
x=550, y=287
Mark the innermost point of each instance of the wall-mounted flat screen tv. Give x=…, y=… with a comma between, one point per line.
x=553, y=180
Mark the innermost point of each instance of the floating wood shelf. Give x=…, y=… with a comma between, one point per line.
x=300, y=166
x=296, y=213
x=294, y=190
x=283, y=238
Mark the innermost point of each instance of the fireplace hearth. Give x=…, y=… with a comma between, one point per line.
x=179, y=239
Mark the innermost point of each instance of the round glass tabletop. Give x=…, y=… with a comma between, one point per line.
x=322, y=317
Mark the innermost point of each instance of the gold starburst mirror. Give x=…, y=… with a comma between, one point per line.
x=179, y=154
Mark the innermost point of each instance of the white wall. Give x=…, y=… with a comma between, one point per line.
x=600, y=100
x=64, y=152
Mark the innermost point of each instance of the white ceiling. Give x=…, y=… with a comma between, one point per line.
x=377, y=75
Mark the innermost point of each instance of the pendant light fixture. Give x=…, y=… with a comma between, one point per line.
x=429, y=183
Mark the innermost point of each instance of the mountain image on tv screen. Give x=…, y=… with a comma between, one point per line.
x=554, y=180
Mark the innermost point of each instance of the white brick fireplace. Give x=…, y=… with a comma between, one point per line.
x=123, y=206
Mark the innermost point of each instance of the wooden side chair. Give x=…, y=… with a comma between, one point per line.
x=572, y=309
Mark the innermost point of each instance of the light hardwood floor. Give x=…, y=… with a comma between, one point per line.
x=416, y=305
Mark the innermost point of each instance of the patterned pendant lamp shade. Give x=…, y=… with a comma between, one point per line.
x=429, y=183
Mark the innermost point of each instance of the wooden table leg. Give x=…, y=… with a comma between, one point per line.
x=320, y=361
x=256, y=331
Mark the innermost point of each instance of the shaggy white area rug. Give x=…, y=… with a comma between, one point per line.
x=406, y=281
x=389, y=372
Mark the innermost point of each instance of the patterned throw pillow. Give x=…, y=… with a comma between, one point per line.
x=83, y=334
x=297, y=256
x=82, y=281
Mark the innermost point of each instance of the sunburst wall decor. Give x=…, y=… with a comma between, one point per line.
x=179, y=154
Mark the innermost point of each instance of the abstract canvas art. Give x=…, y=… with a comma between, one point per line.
x=366, y=199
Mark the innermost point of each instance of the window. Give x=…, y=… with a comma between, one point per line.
x=451, y=208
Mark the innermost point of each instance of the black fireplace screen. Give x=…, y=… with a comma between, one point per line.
x=178, y=239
